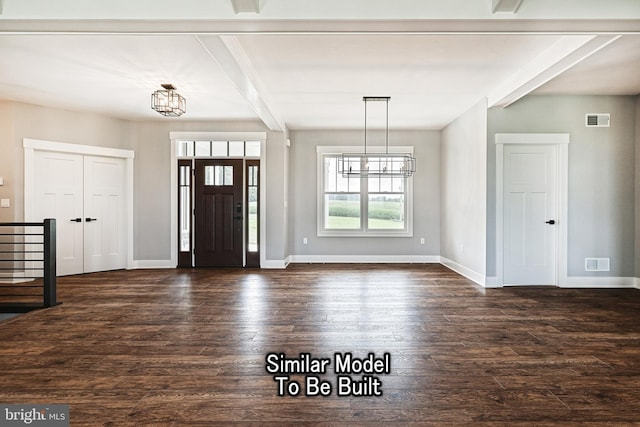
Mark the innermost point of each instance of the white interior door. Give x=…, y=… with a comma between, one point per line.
x=530, y=215
x=104, y=234
x=59, y=195
x=85, y=194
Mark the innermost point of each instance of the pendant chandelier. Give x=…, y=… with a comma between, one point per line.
x=168, y=102
x=376, y=164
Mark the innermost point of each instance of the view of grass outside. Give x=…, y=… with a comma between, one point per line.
x=386, y=212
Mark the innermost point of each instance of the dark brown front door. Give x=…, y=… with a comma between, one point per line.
x=218, y=213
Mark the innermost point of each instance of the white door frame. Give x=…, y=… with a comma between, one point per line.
x=31, y=145
x=561, y=141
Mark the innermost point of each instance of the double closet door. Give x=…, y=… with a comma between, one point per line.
x=85, y=194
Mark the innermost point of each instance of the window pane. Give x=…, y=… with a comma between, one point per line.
x=219, y=148
x=208, y=175
x=252, y=175
x=252, y=218
x=330, y=173
x=219, y=179
x=374, y=184
x=236, y=148
x=252, y=148
x=386, y=212
x=203, y=149
x=185, y=148
x=185, y=175
x=228, y=175
x=185, y=218
x=342, y=211
x=397, y=185
x=385, y=184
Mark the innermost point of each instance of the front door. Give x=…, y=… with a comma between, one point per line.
x=218, y=213
x=530, y=214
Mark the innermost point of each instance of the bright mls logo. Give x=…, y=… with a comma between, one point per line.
x=34, y=415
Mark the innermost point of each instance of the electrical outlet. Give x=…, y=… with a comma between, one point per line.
x=422, y=240
x=305, y=240
x=5, y=203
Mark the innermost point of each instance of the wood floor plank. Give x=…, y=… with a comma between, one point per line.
x=188, y=347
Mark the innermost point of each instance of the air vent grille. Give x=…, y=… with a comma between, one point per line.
x=597, y=264
x=601, y=120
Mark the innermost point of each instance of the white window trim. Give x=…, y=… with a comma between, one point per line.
x=321, y=151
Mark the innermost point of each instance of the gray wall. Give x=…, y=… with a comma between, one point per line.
x=601, y=174
x=303, y=187
x=21, y=121
x=277, y=229
x=463, y=162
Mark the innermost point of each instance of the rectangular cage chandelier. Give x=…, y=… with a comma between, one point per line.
x=168, y=102
x=376, y=164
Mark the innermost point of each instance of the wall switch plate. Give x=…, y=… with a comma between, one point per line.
x=305, y=240
x=422, y=240
x=5, y=203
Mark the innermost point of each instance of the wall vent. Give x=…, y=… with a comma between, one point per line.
x=597, y=264
x=601, y=120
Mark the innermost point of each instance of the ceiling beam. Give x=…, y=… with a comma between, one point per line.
x=246, y=6
x=562, y=55
x=510, y=6
x=232, y=59
x=296, y=26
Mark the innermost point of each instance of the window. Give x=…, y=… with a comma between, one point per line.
x=354, y=206
x=218, y=149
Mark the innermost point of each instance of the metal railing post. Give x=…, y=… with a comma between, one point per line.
x=49, y=262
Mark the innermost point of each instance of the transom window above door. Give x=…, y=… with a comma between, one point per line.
x=217, y=149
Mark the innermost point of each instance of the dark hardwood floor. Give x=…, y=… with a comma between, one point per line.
x=188, y=347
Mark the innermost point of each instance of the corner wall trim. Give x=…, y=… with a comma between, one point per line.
x=591, y=282
x=365, y=259
x=480, y=279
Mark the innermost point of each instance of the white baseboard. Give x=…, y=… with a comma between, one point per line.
x=365, y=259
x=637, y=283
x=600, y=282
x=15, y=277
x=275, y=263
x=480, y=279
x=142, y=264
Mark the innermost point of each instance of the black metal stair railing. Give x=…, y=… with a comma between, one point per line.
x=27, y=265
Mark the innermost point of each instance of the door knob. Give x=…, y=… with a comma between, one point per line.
x=90, y=219
x=76, y=220
x=551, y=221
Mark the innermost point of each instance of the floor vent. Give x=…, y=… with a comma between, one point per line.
x=598, y=120
x=596, y=264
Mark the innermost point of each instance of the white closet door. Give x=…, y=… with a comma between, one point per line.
x=59, y=195
x=85, y=194
x=104, y=232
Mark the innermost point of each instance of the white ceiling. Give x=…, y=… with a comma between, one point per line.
x=311, y=74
